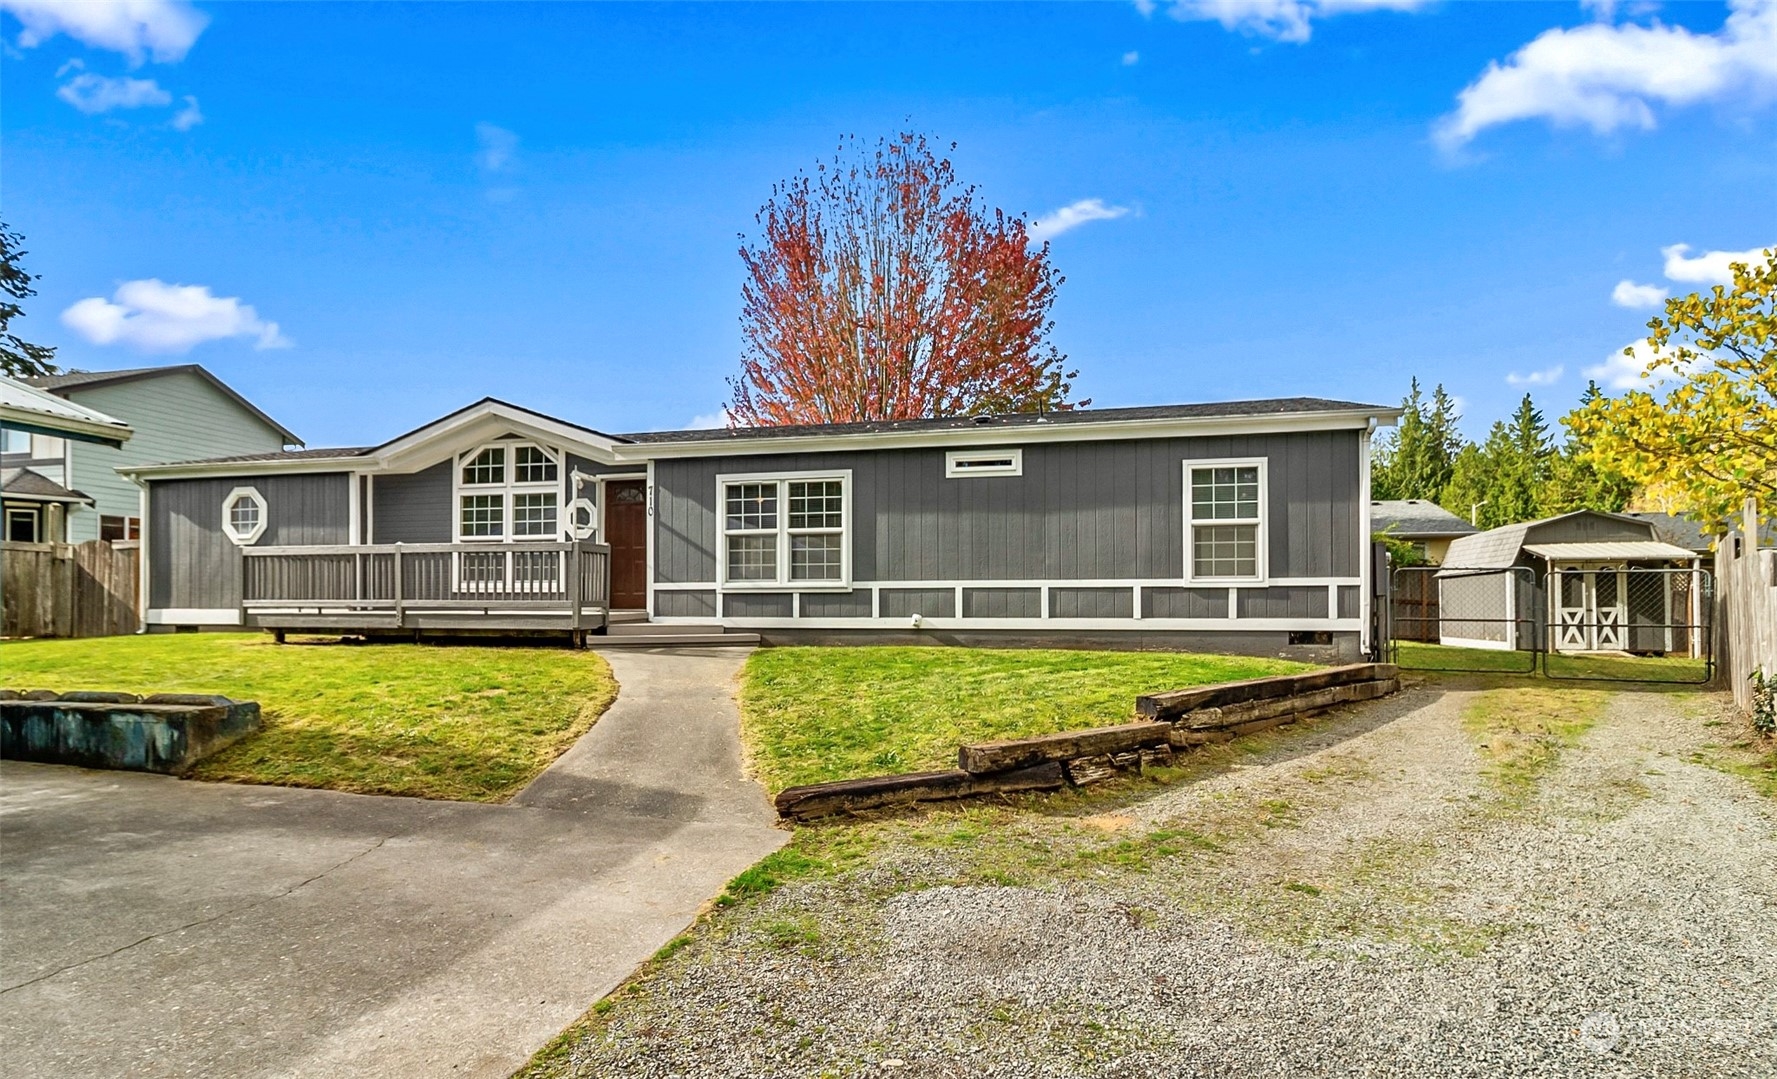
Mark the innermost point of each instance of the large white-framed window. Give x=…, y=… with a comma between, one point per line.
x=1225, y=519
x=244, y=515
x=508, y=490
x=785, y=530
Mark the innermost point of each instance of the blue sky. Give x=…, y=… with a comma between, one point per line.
x=381, y=212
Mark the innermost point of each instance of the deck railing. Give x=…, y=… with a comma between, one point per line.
x=572, y=578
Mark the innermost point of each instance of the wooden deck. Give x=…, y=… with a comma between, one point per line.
x=548, y=586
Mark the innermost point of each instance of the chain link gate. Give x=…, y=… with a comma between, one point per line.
x=1581, y=621
x=1482, y=620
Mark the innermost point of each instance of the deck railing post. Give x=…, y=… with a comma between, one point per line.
x=400, y=615
x=571, y=577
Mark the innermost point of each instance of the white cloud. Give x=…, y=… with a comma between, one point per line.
x=1711, y=267
x=1629, y=294
x=1623, y=372
x=1131, y=58
x=1072, y=216
x=1284, y=20
x=1607, y=76
x=188, y=117
x=162, y=29
x=710, y=421
x=93, y=93
x=1546, y=377
x=153, y=316
x=498, y=146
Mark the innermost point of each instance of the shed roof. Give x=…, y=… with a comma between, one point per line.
x=29, y=486
x=73, y=381
x=1498, y=548
x=1612, y=550
x=1417, y=518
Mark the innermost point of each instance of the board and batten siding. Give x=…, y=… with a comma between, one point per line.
x=176, y=417
x=1080, y=511
x=413, y=507
x=193, y=562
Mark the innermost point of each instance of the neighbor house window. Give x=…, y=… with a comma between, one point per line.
x=22, y=524
x=119, y=528
x=12, y=441
x=1227, y=520
x=509, y=490
x=785, y=530
x=244, y=515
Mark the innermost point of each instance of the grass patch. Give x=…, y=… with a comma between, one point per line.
x=1522, y=730
x=1674, y=670
x=1420, y=656
x=471, y=724
x=810, y=715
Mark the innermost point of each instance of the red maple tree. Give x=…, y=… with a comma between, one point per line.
x=881, y=290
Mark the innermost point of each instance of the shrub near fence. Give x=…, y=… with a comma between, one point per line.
x=69, y=590
x=1746, y=591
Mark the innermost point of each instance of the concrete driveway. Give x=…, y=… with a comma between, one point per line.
x=154, y=927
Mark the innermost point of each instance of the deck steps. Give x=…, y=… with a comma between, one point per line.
x=655, y=635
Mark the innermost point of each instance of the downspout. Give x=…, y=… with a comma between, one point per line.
x=142, y=577
x=1366, y=545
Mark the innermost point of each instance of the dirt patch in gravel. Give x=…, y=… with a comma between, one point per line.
x=1365, y=895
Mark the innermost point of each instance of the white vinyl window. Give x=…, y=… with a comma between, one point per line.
x=787, y=530
x=1225, y=538
x=508, y=491
x=244, y=515
x=960, y=463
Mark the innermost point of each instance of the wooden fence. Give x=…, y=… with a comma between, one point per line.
x=1746, y=592
x=69, y=590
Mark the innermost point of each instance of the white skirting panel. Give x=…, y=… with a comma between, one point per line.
x=194, y=616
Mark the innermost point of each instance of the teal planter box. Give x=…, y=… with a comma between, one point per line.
x=165, y=733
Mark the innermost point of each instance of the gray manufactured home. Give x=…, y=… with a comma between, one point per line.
x=1240, y=526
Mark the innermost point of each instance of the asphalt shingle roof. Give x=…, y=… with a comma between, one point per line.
x=1416, y=518
x=1273, y=407
x=24, y=483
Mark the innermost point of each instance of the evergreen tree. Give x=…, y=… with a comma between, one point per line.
x=1575, y=482
x=1414, y=461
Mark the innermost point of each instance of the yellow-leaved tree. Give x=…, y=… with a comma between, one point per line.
x=1706, y=429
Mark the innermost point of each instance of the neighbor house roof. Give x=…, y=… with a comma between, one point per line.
x=73, y=381
x=22, y=483
x=25, y=407
x=1280, y=406
x=1417, y=518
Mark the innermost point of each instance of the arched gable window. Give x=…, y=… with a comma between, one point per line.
x=508, y=491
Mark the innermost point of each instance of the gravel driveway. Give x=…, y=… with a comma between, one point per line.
x=1358, y=898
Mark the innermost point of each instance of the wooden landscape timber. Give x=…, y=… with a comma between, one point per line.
x=1194, y=717
x=847, y=795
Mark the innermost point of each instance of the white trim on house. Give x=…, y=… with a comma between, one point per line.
x=193, y=616
x=782, y=582
x=479, y=423
x=1144, y=625
x=967, y=464
x=1261, y=523
x=1366, y=566
x=247, y=494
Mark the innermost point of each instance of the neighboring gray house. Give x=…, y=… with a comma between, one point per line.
x=1687, y=532
x=1429, y=527
x=177, y=412
x=1604, y=578
x=1240, y=526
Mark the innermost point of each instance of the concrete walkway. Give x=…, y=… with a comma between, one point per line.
x=153, y=927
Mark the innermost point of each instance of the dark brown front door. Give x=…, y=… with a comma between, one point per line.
x=626, y=530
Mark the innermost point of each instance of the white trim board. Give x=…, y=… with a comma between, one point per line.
x=1136, y=625
x=193, y=616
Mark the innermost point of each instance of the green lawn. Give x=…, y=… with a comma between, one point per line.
x=1417, y=656
x=809, y=715
x=473, y=724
